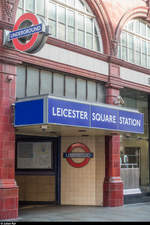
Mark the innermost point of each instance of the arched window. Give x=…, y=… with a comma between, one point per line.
x=69, y=20
x=134, y=45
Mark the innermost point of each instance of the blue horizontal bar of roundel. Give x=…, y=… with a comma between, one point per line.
x=78, y=155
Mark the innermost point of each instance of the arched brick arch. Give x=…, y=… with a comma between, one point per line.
x=139, y=12
x=104, y=24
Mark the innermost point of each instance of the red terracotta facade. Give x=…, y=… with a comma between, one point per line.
x=111, y=22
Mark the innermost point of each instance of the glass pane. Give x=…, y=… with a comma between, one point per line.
x=70, y=87
x=29, y=5
x=63, y=1
x=91, y=91
x=119, y=51
x=124, y=39
x=71, y=2
x=89, y=41
x=20, y=82
x=61, y=31
x=40, y=7
x=148, y=32
x=138, y=58
x=148, y=48
x=101, y=93
x=80, y=22
x=32, y=81
x=20, y=4
x=137, y=26
x=95, y=30
x=144, y=47
x=81, y=89
x=71, y=34
x=81, y=38
x=130, y=41
x=130, y=26
x=137, y=43
x=143, y=29
x=51, y=11
x=89, y=25
x=46, y=82
x=80, y=5
x=130, y=55
x=124, y=53
x=144, y=60
x=71, y=18
x=19, y=13
x=148, y=61
x=96, y=46
x=58, y=84
x=52, y=27
x=61, y=14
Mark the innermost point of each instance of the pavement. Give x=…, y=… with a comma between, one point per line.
x=48, y=213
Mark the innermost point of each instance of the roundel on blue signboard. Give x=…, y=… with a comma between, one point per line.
x=29, y=33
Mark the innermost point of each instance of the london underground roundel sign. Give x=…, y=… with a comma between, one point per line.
x=86, y=155
x=29, y=33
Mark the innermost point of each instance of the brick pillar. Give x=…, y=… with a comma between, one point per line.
x=113, y=185
x=8, y=62
x=8, y=187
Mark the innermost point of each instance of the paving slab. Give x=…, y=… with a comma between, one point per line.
x=38, y=213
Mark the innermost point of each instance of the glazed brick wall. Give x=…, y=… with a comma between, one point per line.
x=113, y=186
x=8, y=188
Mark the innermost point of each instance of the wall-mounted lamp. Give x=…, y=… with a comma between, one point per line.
x=118, y=100
x=9, y=78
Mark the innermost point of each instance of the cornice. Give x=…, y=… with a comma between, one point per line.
x=76, y=48
x=9, y=56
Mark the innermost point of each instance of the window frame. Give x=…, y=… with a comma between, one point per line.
x=96, y=38
x=134, y=29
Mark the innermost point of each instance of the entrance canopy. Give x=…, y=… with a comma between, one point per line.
x=58, y=111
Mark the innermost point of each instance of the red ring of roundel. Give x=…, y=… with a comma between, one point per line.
x=18, y=45
x=71, y=162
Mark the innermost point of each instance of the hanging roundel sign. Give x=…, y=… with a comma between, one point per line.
x=85, y=154
x=29, y=33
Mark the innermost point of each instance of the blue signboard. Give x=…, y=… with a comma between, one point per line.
x=62, y=112
x=131, y=122
x=29, y=112
x=68, y=113
x=102, y=117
